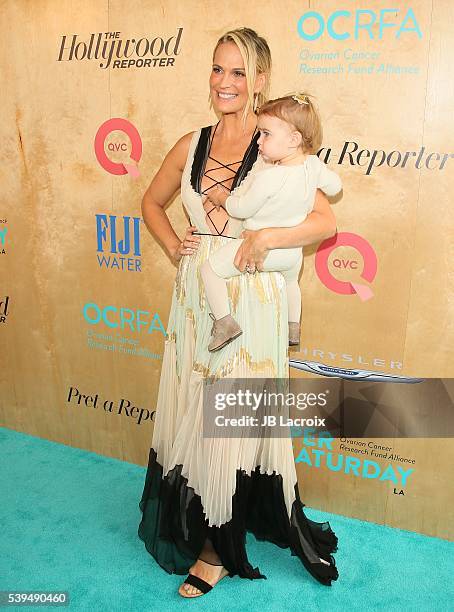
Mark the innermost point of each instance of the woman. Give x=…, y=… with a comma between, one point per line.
x=202, y=494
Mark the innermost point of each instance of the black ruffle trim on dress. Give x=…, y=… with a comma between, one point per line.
x=174, y=528
x=202, y=151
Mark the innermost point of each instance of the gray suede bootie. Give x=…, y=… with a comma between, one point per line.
x=224, y=331
x=294, y=333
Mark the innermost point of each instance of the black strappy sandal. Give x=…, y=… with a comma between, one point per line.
x=200, y=584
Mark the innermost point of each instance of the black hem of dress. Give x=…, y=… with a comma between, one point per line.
x=174, y=528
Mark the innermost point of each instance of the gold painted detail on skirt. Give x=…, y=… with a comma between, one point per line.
x=202, y=296
x=270, y=294
x=233, y=291
x=241, y=357
x=172, y=337
x=277, y=301
x=180, y=291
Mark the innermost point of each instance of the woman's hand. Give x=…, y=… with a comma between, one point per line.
x=188, y=246
x=252, y=253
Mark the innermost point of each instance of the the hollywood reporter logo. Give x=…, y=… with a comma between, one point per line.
x=369, y=265
x=119, y=53
x=4, y=308
x=117, y=168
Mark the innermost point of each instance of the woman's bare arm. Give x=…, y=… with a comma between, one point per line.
x=318, y=225
x=165, y=184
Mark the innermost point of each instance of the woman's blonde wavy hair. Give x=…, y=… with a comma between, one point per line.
x=256, y=56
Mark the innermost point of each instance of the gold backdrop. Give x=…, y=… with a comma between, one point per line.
x=85, y=290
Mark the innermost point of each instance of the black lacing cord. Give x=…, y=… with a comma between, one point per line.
x=216, y=182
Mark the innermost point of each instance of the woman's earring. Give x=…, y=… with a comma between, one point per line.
x=256, y=97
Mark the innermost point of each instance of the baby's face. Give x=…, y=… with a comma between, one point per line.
x=275, y=140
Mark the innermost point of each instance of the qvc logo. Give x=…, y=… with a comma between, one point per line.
x=105, y=130
x=369, y=265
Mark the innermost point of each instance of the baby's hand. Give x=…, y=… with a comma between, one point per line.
x=218, y=195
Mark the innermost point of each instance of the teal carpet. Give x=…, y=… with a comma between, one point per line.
x=69, y=522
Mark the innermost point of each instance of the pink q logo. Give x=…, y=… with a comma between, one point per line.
x=136, y=147
x=369, y=271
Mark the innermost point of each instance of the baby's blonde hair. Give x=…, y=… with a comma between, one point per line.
x=256, y=56
x=298, y=110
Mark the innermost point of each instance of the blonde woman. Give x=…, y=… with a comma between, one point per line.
x=202, y=494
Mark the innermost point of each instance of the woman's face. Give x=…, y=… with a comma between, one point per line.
x=228, y=87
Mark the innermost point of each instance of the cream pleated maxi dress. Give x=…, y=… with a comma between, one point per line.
x=200, y=489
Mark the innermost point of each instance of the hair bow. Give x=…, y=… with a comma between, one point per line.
x=301, y=98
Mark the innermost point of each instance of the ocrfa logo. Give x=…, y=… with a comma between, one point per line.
x=122, y=125
x=353, y=22
x=3, y=232
x=346, y=287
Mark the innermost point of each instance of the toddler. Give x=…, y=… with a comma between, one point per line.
x=280, y=195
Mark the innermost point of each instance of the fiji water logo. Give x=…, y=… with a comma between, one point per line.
x=3, y=232
x=122, y=140
x=133, y=320
x=342, y=25
x=4, y=309
x=120, y=238
x=365, y=266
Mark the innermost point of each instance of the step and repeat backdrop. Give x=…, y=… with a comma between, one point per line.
x=94, y=97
